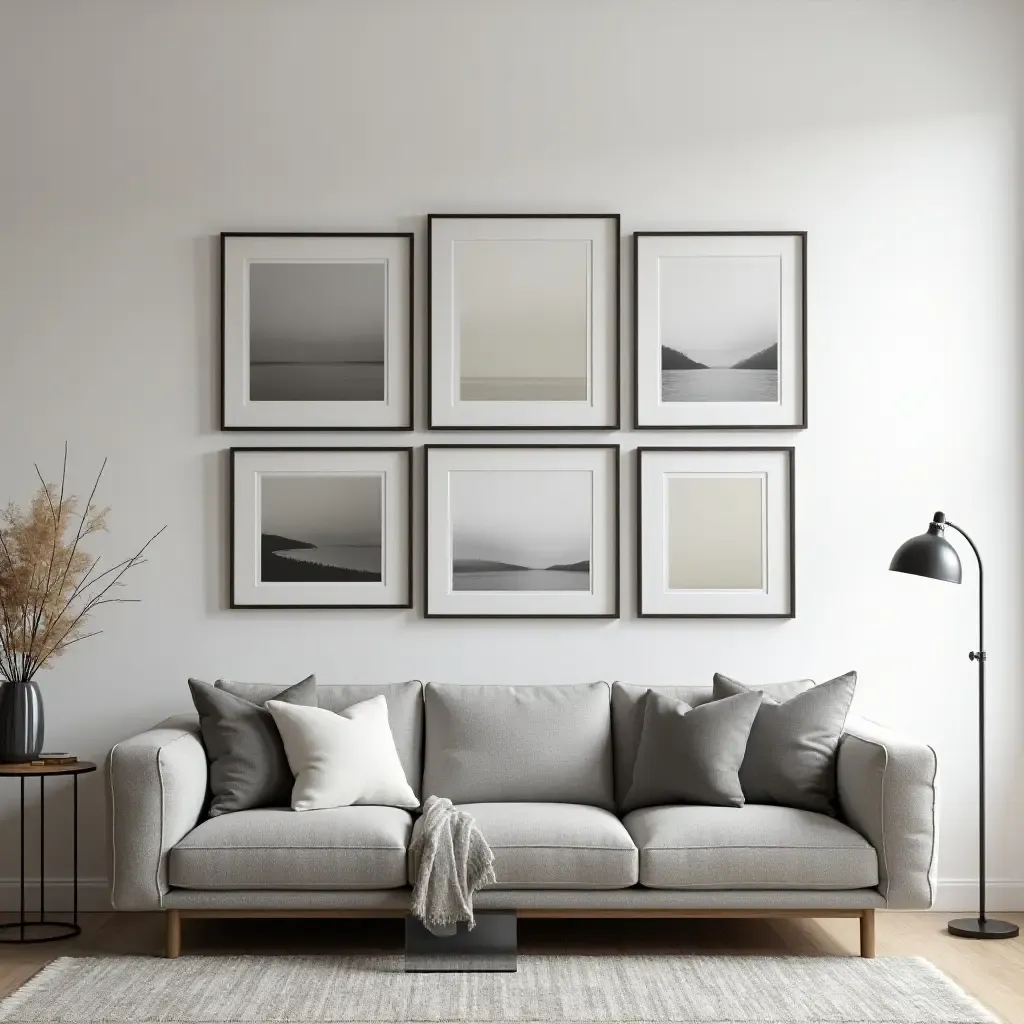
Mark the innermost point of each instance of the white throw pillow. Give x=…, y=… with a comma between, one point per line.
x=342, y=759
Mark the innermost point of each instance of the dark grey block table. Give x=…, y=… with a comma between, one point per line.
x=490, y=946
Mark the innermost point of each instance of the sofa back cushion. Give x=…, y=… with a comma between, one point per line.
x=405, y=713
x=502, y=744
x=628, y=706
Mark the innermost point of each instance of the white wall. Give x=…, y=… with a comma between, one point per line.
x=133, y=133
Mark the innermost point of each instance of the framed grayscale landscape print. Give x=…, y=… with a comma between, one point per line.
x=523, y=322
x=720, y=329
x=522, y=531
x=715, y=532
x=321, y=527
x=316, y=331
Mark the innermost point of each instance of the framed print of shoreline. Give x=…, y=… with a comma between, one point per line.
x=720, y=329
x=716, y=533
x=522, y=531
x=321, y=528
x=316, y=331
x=523, y=321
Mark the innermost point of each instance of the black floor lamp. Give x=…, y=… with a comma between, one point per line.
x=933, y=556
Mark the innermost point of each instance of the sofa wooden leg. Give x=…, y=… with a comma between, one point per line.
x=172, y=945
x=867, y=934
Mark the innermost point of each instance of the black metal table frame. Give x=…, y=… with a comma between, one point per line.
x=67, y=929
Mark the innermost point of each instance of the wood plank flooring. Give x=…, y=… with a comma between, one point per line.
x=992, y=972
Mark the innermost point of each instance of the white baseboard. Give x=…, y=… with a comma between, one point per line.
x=953, y=895
x=961, y=894
x=93, y=895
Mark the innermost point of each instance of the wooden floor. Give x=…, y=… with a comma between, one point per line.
x=991, y=971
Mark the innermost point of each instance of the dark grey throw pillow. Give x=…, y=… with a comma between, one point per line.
x=791, y=753
x=691, y=755
x=248, y=766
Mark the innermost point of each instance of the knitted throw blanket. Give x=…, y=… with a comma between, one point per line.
x=453, y=861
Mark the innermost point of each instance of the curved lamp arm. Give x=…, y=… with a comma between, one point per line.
x=979, y=654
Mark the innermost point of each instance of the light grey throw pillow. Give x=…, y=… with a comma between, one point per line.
x=791, y=752
x=248, y=765
x=692, y=755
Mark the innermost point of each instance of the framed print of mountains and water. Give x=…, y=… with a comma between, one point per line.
x=720, y=329
x=321, y=528
x=526, y=531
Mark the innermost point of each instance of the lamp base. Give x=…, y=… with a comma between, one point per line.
x=975, y=928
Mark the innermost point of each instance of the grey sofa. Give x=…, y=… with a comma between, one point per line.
x=543, y=769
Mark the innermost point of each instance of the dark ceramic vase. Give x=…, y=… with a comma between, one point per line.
x=21, y=722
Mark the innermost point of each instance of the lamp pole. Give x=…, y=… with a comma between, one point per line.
x=980, y=927
x=980, y=657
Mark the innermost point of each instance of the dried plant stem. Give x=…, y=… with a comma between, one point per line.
x=56, y=517
x=47, y=650
x=49, y=586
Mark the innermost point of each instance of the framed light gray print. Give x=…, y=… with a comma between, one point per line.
x=321, y=527
x=720, y=328
x=316, y=331
x=523, y=321
x=715, y=533
x=522, y=531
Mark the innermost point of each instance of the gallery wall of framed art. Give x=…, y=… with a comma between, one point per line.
x=521, y=333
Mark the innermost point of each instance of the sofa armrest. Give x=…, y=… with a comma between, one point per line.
x=887, y=793
x=158, y=783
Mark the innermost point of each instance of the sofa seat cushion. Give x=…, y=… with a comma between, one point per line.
x=277, y=848
x=553, y=846
x=752, y=847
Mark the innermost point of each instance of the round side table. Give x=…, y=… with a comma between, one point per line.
x=25, y=927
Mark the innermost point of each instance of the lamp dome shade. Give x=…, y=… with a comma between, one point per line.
x=929, y=555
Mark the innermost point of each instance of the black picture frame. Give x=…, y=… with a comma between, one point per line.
x=408, y=470
x=409, y=422
x=616, y=449
x=801, y=236
x=790, y=452
x=616, y=370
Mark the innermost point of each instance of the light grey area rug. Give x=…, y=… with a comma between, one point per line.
x=592, y=989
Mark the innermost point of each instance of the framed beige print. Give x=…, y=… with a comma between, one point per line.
x=720, y=329
x=316, y=331
x=321, y=528
x=523, y=322
x=715, y=533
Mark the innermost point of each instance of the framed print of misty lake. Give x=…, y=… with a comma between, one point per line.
x=321, y=527
x=522, y=531
x=720, y=329
x=316, y=331
x=715, y=533
x=523, y=322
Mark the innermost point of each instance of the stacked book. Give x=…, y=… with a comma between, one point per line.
x=52, y=759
